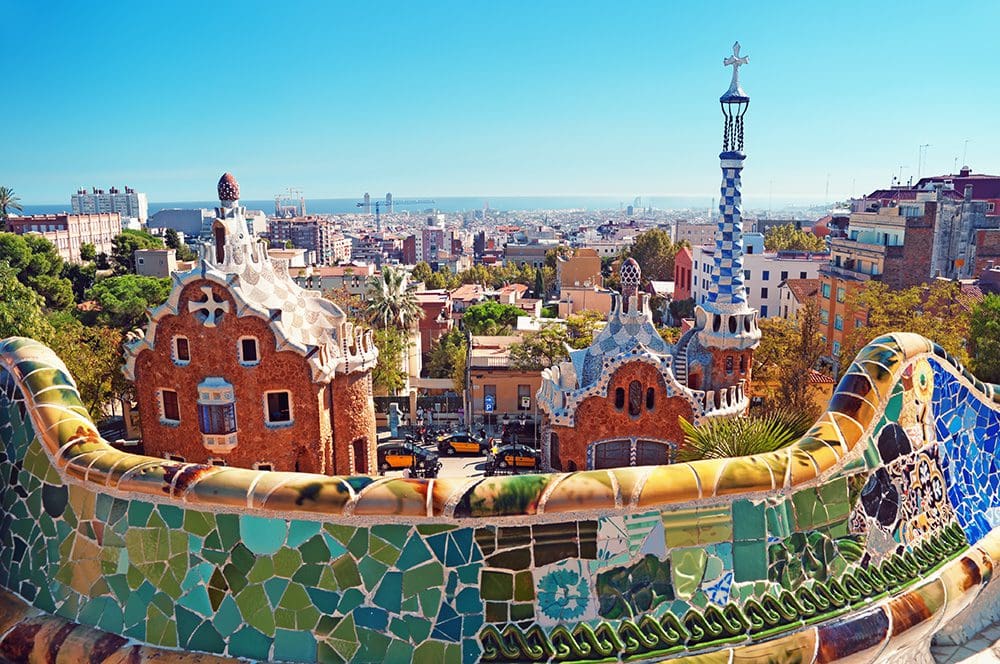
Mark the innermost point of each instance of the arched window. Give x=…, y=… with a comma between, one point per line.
x=634, y=398
x=729, y=364
x=650, y=398
x=743, y=364
x=220, y=242
x=619, y=398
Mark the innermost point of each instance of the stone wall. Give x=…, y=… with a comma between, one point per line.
x=353, y=417
x=597, y=418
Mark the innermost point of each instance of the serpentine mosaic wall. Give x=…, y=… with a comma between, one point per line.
x=856, y=522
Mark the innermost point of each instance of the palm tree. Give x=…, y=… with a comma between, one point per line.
x=742, y=436
x=8, y=202
x=392, y=303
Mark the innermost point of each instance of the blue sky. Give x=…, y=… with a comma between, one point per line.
x=490, y=98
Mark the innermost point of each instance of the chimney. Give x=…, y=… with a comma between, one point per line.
x=965, y=172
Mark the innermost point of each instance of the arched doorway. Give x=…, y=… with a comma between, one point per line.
x=631, y=451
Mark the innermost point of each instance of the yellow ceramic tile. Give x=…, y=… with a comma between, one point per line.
x=396, y=497
x=581, y=491
x=796, y=648
x=670, y=484
x=302, y=493
x=629, y=481
x=745, y=475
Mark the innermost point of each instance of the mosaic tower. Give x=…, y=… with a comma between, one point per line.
x=726, y=321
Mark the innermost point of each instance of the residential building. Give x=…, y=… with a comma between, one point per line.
x=467, y=295
x=410, y=250
x=580, y=269
x=985, y=188
x=494, y=389
x=351, y=279
x=155, y=262
x=433, y=244
x=68, y=232
x=320, y=235
x=531, y=254
x=241, y=367
x=793, y=294
x=437, y=319
x=762, y=272
x=129, y=204
x=694, y=234
x=608, y=248
x=683, y=274
x=574, y=299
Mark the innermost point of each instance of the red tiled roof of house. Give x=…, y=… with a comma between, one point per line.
x=803, y=289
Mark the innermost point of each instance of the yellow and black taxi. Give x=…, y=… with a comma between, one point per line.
x=511, y=459
x=463, y=442
x=397, y=455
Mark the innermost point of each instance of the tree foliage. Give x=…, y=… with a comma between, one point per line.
x=550, y=345
x=88, y=252
x=788, y=352
x=447, y=358
x=39, y=266
x=787, y=237
x=984, y=339
x=655, y=252
x=931, y=310
x=490, y=318
x=9, y=202
x=20, y=308
x=388, y=375
x=392, y=303
x=93, y=355
x=125, y=245
x=122, y=301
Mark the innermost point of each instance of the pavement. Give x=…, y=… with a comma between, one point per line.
x=983, y=648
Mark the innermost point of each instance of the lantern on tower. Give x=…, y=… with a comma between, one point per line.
x=734, y=104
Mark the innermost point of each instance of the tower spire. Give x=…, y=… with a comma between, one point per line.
x=726, y=321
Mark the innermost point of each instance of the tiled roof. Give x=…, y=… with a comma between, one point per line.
x=803, y=289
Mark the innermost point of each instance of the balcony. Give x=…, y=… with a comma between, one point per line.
x=219, y=443
x=848, y=272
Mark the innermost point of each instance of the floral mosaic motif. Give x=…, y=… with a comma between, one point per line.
x=563, y=591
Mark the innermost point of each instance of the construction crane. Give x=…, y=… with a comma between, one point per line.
x=394, y=203
x=285, y=203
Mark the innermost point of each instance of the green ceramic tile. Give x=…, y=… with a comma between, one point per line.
x=749, y=561
x=687, y=568
x=497, y=585
x=748, y=520
x=262, y=535
x=524, y=587
x=302, y=531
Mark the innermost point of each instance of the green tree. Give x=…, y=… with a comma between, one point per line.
x=448, y=357
x=553, y=255
x=582, y=326
x=392, y=302
x=490, y=318
x=655, y=252
x=984, y=339
x=388, y=375
x=421, y=271
x=122, y=301
x=681, y=309
x=787, y=237
x=88, y=252
x=788, y=352
x=539, y=285
x=93, y=355
x=9, y=202
x=81, y=277
x=125, y=245
x=551, y=344
x=171, y=239
x=932, y=310
x=21, y=308
x=39, y=266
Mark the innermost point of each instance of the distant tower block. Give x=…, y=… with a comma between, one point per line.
x=368, y=203
x=726, y=321
x=388, y=203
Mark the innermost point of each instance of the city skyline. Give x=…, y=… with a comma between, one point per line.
x=512, y=100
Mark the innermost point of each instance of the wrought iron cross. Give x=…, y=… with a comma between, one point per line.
x=735, y=61
x=211, y=308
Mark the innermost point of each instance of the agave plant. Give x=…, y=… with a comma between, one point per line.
x=742, y=436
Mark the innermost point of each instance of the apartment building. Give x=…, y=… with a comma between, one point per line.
x=68, y=232
x=128, y=203
x=318, y=235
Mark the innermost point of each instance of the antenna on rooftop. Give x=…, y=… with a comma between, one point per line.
x=965, y=151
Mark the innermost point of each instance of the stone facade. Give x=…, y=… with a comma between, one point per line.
x=600, y=419
x=242, y=367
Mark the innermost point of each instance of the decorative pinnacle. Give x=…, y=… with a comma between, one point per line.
x=735, y=61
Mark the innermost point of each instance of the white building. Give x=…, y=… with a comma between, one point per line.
x=130, y=204
x=762, y=272
x=694, y=234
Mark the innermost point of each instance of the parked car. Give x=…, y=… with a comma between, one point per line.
x=511, y=459
x=464, y=442
x=397, y=455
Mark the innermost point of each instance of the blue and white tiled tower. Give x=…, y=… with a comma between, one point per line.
x=726, y=321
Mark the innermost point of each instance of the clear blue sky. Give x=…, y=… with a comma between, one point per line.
x=491, y=98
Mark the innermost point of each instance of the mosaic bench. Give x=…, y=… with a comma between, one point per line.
x=871, y=534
